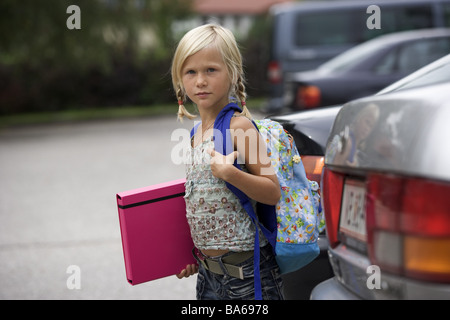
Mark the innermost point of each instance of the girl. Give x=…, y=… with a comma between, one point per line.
x=207, y=69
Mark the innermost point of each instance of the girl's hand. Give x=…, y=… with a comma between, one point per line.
x=221, y=165
x=190, y=270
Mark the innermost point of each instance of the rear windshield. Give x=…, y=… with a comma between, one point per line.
x=438, y=75
x=349, y=26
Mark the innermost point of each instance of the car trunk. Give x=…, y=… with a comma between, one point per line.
x=385, y=191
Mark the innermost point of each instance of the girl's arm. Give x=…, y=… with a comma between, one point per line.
x=261, y=183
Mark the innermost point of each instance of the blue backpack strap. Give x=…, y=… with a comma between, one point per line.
x=194, y=129
x=223, y=143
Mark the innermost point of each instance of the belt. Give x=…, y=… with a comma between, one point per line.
x=229, y=263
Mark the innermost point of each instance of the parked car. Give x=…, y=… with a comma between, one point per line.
x=366, y=69
x=310, y=131
x=385, y=191
x=308, y=33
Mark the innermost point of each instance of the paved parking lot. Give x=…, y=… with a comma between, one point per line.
x=57, y=207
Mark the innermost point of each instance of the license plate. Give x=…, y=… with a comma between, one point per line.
x=353, y=216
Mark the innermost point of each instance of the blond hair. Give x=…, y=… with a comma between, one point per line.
x=197, y=39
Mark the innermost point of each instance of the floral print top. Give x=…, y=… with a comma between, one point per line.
x=215, y=216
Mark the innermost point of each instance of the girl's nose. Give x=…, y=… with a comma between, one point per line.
x=201, y=80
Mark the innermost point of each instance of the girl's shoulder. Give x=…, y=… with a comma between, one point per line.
x=239, y=121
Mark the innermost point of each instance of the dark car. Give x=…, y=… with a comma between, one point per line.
x=310, y=131
x=305, y=34
x=385, y=191
x=365, y=69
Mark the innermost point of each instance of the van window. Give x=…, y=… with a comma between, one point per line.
x=327, y=28
x=345, y=27
x=446, y=14
x=395, y=19
x=407, y=18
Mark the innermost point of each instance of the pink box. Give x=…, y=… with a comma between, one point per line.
x=156, y=238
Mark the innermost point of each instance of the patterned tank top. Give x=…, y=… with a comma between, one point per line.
x=215, y=216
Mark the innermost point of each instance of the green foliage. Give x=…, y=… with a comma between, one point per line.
x=121, y=56
x=46, y=66
x=34, y=32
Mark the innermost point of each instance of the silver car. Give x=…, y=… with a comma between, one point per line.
x=386, y=192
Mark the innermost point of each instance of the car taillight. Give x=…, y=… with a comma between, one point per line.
x=274, y=72
x=408, y=226
x=313, y=167
x=331, y=192
x=308, y=97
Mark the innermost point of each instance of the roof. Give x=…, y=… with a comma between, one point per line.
x=234, y=6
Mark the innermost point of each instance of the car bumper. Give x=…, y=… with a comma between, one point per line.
x=352, y=275
x=331, y=289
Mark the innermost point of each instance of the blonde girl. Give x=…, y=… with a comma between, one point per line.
x=207, y=70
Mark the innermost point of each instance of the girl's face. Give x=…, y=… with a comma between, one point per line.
x=206, y=80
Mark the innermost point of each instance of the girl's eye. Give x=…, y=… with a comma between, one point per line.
x=190, y=72
x=211, y=69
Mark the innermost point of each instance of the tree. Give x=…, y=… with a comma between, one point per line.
x=39, y=51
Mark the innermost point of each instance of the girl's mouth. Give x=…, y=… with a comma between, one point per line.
x=202, y=94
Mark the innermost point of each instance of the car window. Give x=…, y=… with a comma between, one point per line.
x=420, y=53
x=412, y=56
x=351, y=57
x=387, y=64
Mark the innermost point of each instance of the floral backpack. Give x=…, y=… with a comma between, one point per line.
x=292, y=227
x=298, y=212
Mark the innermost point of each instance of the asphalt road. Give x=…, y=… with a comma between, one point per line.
x=59, y=227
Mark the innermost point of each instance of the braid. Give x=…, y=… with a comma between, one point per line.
x=242, y=97
x=182, y=112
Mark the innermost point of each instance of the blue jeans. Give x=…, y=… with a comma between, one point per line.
x=211, y=286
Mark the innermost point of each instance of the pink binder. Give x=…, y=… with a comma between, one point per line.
x=156, y=238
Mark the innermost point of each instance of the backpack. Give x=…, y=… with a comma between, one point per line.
x=292, y=226
x=298, y=213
